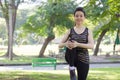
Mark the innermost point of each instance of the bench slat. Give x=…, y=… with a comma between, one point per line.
x=36, y=62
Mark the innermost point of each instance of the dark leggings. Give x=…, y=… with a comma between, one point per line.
x=70, y=56
x=72, y=59
x=82, y=70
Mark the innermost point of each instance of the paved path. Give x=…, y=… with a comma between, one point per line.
x=59, y=67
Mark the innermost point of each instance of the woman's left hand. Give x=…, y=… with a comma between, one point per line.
x=74, y=44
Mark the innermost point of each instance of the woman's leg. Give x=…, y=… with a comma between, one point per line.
x=70, y=57
x=72, y=75
x=71, y=64
x=82, y=70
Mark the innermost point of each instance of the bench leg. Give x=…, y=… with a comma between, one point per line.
x=54, y=67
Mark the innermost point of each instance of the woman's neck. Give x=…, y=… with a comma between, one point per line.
x=79, y=26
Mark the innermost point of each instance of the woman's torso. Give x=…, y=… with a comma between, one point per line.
x=82, y=53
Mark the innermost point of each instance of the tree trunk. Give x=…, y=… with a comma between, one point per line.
x=10, y=18
x=47, y=40
x=10, y=31
x=114, y=46
x=117, y=41
x=99, y=41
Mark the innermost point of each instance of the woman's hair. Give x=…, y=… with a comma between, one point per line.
x=79, y=9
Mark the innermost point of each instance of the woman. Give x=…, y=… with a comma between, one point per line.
x=78, y=40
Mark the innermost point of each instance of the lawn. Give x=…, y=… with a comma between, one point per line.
x=104, y=74
x=94, y=74
x=24, y=57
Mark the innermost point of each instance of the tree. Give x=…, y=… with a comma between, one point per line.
x=9, y=9
x=117, y=40
x=50, y=16
x=103, y=12
x=22, y=15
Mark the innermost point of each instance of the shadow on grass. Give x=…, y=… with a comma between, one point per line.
x=94, y=74
x=32, y=76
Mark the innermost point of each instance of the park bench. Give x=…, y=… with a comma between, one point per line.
x=44, y=62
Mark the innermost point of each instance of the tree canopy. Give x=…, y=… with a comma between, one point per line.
x=50, y=18
x=103, y=14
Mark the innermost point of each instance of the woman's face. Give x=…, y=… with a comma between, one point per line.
x=79, y=17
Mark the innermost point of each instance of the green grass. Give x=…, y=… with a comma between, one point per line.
x=113, y=59
x=16, y=60
x=23, y=59
x=22, y=75
x=94, y=74
x=2, y=53
x=104, y=74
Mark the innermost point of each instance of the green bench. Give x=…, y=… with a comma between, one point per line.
x=42, y=62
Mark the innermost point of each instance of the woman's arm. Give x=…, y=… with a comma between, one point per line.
x=89, y=45
x=64, y=40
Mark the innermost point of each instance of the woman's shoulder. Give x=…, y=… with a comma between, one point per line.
x=68, y=31
x=88, y=30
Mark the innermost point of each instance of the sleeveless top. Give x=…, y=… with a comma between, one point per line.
x=82, y=53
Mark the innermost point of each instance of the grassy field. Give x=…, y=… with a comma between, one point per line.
x=25, y=53
x=104, y=74
x=94, y=74
x=33, y=50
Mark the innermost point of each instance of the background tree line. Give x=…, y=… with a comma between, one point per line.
x=53, y=18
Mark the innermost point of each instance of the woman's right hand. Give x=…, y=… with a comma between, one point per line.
x=69, y=44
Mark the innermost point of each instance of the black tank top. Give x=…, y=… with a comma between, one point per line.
x=81, y=38
x=82, y=53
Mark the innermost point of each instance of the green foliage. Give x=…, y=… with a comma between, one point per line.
x=2, y=28
x=103, y=15
x=3, y=32
x=51, y=17
x=22, y=16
